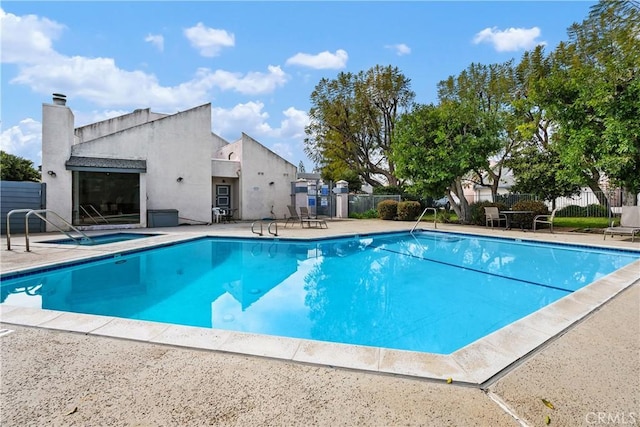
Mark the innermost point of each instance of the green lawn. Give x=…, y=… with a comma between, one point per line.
x=582, y=223
x=571, y=222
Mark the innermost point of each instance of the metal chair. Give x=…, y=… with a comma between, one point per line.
x=544, y=219
x=491, y=214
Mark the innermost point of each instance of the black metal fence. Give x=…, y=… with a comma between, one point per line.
x=583, y=204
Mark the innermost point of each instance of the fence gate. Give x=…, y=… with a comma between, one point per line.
x=22, y=195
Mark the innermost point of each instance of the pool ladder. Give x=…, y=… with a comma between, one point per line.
x=83, y=238
x=260, y=233
x=435, y=214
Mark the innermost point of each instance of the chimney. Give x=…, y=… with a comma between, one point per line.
x=59, y=99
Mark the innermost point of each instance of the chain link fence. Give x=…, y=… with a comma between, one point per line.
x=361, y=203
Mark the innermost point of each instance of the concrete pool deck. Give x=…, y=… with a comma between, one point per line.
x=590, y=371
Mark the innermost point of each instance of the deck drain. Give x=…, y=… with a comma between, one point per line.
x=4, y=332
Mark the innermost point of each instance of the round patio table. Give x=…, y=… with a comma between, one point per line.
x=509, y=216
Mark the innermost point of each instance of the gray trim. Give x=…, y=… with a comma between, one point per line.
x=98, y=164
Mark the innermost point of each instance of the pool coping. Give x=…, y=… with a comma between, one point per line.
x=475, y=364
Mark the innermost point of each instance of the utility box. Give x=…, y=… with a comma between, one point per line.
x=162, y=218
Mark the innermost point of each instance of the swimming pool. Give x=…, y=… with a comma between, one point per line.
x=102, y=239
x=428, y=292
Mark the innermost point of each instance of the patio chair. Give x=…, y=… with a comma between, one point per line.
x=629, y=223
x=305, y=218
x=491, y=214
x=544, y=219
x=216, y=214
x=293, y=216
x=304, y=212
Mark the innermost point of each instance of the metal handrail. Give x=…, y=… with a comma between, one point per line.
x=269, y=227
x=435, y=214
x=37, y=213
x=9, y=224
x=255, y=232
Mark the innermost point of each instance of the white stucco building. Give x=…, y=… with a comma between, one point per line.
x=115, y=172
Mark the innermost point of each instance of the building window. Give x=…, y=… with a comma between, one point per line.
x=106, y=198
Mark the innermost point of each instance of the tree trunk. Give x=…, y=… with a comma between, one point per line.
x=600, y=195
x=630, y=197
x=462, y=207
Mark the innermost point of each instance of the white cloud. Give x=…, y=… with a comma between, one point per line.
x=321, y=61
x=294, y=123
x=24, y=140
x=27, y=39
x=157, y=40
x=401, y=48
x=251, y=119
x=209, y=41
x=252, y=83
x=76, y=76
x=511, y=39
x=283, y=150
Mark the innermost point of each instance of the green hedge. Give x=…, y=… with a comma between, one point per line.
x=408, y=210
x=575, y=211
x=388, y=209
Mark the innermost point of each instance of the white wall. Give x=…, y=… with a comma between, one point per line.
x=57, y=139
x=265, y=181
x=116, y=124
x=174, y=146
x=225, y=168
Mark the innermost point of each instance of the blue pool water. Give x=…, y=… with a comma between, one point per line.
x=429, y=292
x=102, y=239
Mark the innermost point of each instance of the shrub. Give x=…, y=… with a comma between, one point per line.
x=526, y=220
x=596, y=210
x=408, y=210
x=387, y=209
x=569, y=211
x=477, y=211
x=443, y=216
x=370, y=214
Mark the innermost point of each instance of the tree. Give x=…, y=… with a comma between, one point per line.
x=14, y=168
x=535, y=163
x=539, y=172
x=487, y=93
x=593, y=94
x=435, y=147
x=352, y=120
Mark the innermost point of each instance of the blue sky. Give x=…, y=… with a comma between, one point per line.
x=255, y=62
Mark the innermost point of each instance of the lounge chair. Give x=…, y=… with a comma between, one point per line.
x=305, y=218
x=293, y=216
x=491, y=214
x=629, y=223
x=544, y=219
